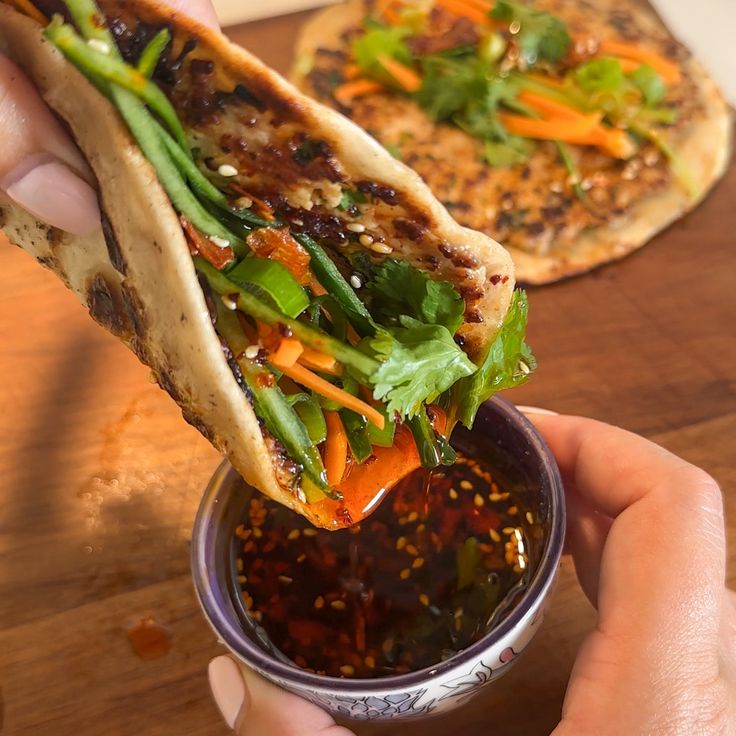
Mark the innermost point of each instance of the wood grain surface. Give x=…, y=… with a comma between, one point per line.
x=100, y=477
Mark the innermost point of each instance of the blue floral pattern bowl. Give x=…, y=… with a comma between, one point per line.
x=511, y=444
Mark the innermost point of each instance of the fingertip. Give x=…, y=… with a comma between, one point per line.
x=228, y=688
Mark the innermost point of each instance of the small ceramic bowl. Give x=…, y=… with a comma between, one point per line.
x=511, y=445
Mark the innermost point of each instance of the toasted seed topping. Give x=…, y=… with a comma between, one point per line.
x=251, y=352
x=293, y=534
x=453, y=494
x=466, y=485
x=405, y=573
x=384, y=249
x=348, y=670
x=424, y=599
x=319, y=602
x=478, y=500
x=338, y=605
x=219, y=242
x=227, y=170
x=99, y=45
x=417, y=563
x=356, y=227
x=366, y=240
x=355, y=281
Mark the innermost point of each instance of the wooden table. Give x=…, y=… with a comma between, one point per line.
x=100, y=477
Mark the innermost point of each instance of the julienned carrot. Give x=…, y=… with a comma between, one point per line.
x=199, y=243
x=336, y=448
x=549, y=107
x=406, y=77
x=550, y=130
x=306, y=378
x=288, y=352
x=319, y=362
x=348, y=91
x=351, y=71
x=459, y=8
x=545, y=80
x=28, y=8
x=628, y=65
x=668, y=70
x=484, y=6
x=612, y=141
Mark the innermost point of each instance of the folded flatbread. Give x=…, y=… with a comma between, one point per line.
x=531, y=205
x=413, y=297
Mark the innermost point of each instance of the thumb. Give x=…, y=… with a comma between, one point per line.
x=41, y=169
x=252, y=706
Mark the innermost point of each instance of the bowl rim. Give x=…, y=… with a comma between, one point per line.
x=243, y=647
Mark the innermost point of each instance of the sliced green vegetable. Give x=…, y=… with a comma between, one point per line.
x=151, y=54
x=430, y=453
x=271, y=282
x=270, y=404
x=363, y=364
x=649, y=83
x=382, y=437
x=468, y=559
x=310, y=413
x=356, y=429
x=333, y=281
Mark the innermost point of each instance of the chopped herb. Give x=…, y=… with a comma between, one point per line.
x=650, y=84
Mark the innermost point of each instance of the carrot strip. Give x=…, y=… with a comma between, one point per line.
x=347, y=92
x=550, y=130
x=316, y=287
x=198, y=243
x=668, y=70
x=548, y=106
x=406, y=77
x=336, y=448
x=483, y=5
x=612, y=141
x=547, y=81
x=28, y=8
x=317, y=361
x=306, y=378
x=288, y=352
x=628, y=65
x=457, y=7
x=351, y=71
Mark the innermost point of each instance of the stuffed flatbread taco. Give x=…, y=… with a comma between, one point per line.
x=314, y=311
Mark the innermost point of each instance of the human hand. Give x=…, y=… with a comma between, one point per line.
x=41, y=169
x=646, y=532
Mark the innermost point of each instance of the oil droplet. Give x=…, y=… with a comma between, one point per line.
x=149, y=639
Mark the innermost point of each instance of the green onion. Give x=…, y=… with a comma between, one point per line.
x=333, y=281
x=430, y=454
x=151, y=54
x=272, y=282
x=382, y=437
x=106, y=66
x=311, y=414
x=355, y=428
x=363, y=364
x=270, y=404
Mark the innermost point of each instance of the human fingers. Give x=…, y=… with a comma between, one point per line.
x=202, y=10
x=252, y=706
x=41, y=170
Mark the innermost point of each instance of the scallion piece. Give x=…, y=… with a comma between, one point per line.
x=310, y=413
x=356, y=430
x=430, y=453
x=149, y=58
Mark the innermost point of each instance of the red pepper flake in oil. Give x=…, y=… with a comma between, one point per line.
x=420, y=579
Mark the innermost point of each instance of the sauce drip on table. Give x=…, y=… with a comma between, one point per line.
x=428, y=574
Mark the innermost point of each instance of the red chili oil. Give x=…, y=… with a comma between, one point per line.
x=439, y=563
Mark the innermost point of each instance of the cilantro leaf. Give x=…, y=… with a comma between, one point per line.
x=380, y=40
x=541, y=36
x=508, y=363
x=418, y=363
x=649, y=83
x=600, y=75
x=400, y=289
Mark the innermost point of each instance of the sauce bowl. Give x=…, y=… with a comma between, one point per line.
x=509, y=443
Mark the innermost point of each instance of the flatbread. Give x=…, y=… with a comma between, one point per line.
x=136, y=277
x=531, y=208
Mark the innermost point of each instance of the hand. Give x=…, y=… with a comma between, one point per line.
x=646, y=533
x=40, y=167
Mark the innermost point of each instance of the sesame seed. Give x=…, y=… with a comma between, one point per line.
x=219, y=242
x=242, y=579
x=404, y=574
x=413, y=516
x=338, y=605
x=258, y=616
x=309, y=532
x=402, y=520
x=494, y=535
x=293, y=534
x=355, y=281
x=244, y=202
x=424, y=599
x=466, y=485
x=382, y=248
x=508, y=530
x=285, y=579
x=478, y=500
x=251, y=352
x=257, y=533
x=99, y=45
x=301, y=496
x=530, y=517
x=513, y=510
x=370, y=661
x=301, y=557
x=356, y=227
x=319, y=602
x=348, y=670
x=227, y=170
x=228, y=302
x=524, y=368
x=249, y=546
x=495, y=497
x=365, y=240
x=412, y=550
x=401, y=543
x=417, y=563
x=239, y=565
x=453, y=494
x=514, y=27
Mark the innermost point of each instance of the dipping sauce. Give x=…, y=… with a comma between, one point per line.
x=441, y=561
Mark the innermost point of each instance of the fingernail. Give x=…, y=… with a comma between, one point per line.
x=537, y=410
x=55, y=195
x=228, y=688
